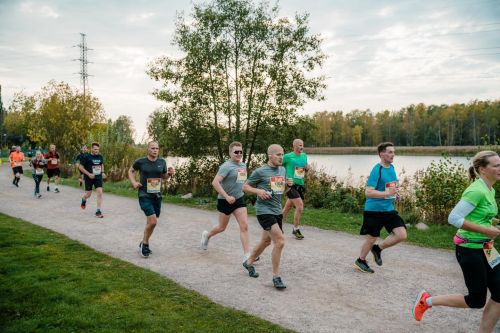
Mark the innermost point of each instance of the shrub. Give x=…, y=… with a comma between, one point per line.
x=439, y=188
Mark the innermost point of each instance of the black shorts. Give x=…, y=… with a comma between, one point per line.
x=373, y=222
x=226, y=208
x=53, y=172
x=266, y=221
x=478, y=275
x=18, y=169
x=89, y=183
x=150, y=205
x=296, y=191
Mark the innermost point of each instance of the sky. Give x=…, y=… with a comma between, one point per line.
x=382, y=55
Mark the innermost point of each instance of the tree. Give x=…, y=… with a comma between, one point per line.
x=244, y=74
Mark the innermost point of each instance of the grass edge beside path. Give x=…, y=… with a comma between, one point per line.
x=437, y=236
x=49, y=282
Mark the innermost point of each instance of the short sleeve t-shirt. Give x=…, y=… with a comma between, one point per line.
x=295, y=166
x=93, y=164
x=38, y=166
x=272, y=180
x=151, y=175
x=16, y=159
x=80, y=157
x=381, y=178
x=234, y=176
x=54, y=163
x=479, y=195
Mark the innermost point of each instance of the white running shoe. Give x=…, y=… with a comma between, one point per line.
x=204, y=240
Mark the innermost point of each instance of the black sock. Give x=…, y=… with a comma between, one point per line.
x=16, y=181
x=377, y=248
x=363, y=261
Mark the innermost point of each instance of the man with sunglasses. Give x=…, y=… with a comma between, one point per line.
x=228, y=183
x=296, y=166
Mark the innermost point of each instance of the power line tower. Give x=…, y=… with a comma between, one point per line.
x=83, y=64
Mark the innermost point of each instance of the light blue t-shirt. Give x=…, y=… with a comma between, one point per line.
x=272, y=180
x=233, y=176
x=380, y=178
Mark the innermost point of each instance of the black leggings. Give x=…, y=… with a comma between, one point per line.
x=479, y=276
x=38, y=180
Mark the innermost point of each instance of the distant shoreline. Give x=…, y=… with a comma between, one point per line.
x=402, y=150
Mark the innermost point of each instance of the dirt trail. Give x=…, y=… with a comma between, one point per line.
x=324, y=292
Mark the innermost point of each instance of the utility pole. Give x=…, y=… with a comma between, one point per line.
x=83, y=65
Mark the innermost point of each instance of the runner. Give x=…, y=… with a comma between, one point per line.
x=296, y=166
x=474, y=215
x=52, y=158
x=38, y=164
x=152, y=170
x=78, y=160
x=381, y=192
x=92, y=166
x=268, y=183
x=16, y=159
x=231, y=201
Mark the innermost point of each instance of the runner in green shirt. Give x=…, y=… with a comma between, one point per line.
x=296, y=167
x=474, y=215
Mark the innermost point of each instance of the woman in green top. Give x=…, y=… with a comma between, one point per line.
x=475, y=215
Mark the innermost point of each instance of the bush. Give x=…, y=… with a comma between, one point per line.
x=194, y=176
x=438, y=189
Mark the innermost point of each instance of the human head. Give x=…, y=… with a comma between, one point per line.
x=275, y=155
x=85, y=149
x=487, y=164
x=236, y=151
x=298, y=146
x=52, y=148
x=95, y=148
x=38, y=155
x=18, y=148
x=386, y=152
x=153, y=149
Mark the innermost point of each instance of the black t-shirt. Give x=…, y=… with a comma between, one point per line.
x=151, y=175
x=80, y=157
x=93, y=164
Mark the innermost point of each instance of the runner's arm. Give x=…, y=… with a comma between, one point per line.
x=247, y=188
x=82, y=169
x=371, y=192
x=216, y=183
x=131, y=178
x=457, y=219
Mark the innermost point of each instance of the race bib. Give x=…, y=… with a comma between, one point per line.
x=154, y=185
x=38, y=171
x=96, y=170
x=242, y=175
x=300, y=172
x=391, y=185
x=53, y=161
x=491, y=254
x=278, y=184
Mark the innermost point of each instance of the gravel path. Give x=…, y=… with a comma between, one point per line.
x=324, y=292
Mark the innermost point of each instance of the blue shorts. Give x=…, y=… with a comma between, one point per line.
x=150, y=205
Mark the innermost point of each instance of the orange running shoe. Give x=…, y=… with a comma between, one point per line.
x=421, y=305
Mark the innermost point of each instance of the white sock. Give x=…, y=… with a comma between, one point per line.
x=429, y=301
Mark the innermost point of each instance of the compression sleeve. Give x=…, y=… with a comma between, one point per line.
x=458, y=214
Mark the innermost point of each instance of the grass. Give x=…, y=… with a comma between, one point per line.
x=49, y=283
x=437, y=236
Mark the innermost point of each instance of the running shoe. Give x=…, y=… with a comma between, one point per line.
x=56, y=190
x=278, y=284
x=297, y=234
x=83, y=204
x=377, y=254
x=48, y=188
x=251, y=270
x=98, y=214
x=81, y=183
x=204, y=240
x=246, y=256
x=421, y=305
x=363, y=266
x=38, y=196
x=144, y=250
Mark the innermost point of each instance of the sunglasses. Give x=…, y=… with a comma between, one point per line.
x=238, y=152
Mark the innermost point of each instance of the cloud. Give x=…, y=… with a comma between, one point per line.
x=43, y=10
x=140, y=18
x=386, y=12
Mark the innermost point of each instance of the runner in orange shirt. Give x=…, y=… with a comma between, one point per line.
x=16, y=159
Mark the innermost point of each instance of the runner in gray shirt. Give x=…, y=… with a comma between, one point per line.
x=228, y=183
x=269, y=183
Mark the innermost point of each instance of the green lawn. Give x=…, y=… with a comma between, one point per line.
x=49, y=283
x=437, y=236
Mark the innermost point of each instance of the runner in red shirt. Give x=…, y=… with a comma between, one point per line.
x=52, y=158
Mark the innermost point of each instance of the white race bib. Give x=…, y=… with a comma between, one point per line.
x=242, y=175
x=96, y=170
x=278, y=184
x=391, y=185
x=491, y=254
x=53, y=161
x=153, y=185
x=299, y=172
x=38, y=171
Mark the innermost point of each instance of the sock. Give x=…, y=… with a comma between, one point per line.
x=376, y=247
x=429, y=301
x=363, y=261
x=17, y=180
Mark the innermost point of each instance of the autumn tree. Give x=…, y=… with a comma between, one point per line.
x=244, y=74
